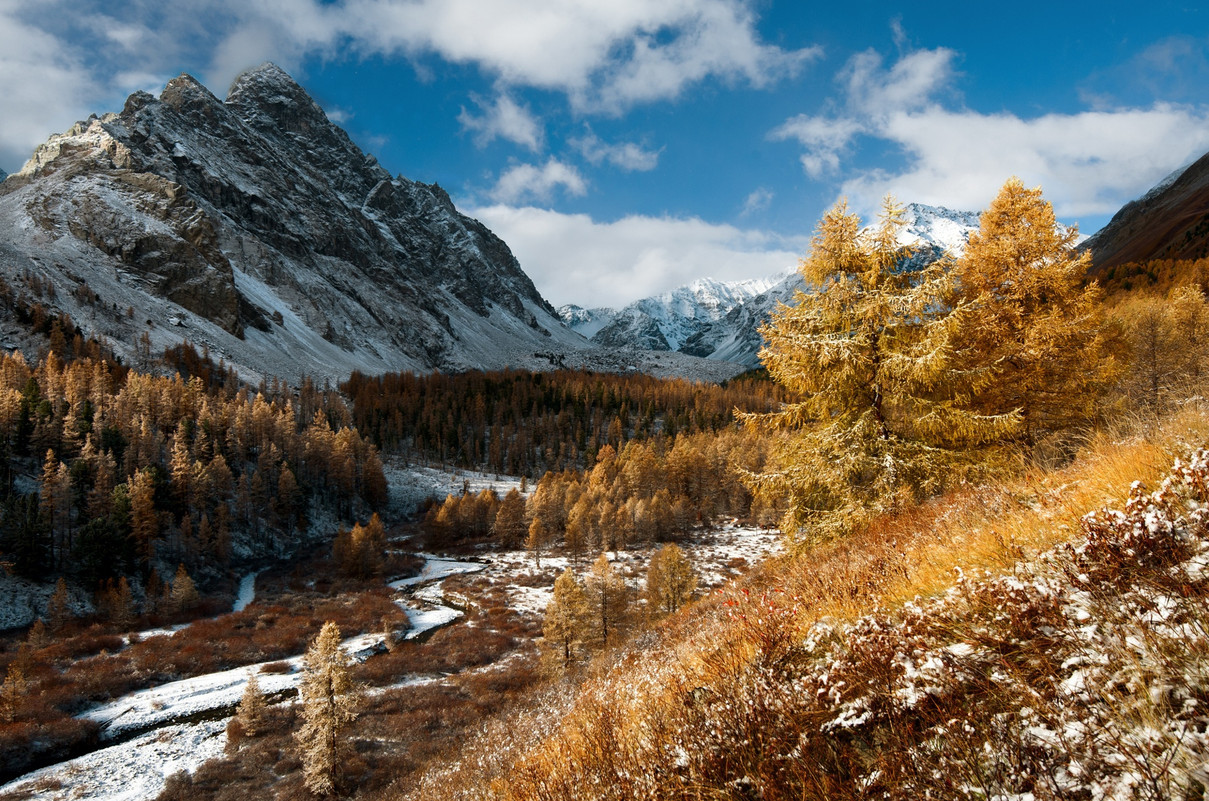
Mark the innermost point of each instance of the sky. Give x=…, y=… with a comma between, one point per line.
x=624, y=148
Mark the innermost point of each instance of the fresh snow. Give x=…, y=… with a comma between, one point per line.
x=247, y=592
x=130, y=771
x=412, y=485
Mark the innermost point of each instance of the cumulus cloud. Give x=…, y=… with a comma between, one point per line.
x=628, y=156
x=573, y=258
x=503, y=119
x=605, y=57
x=531, y=182
x=43, y=84
x=1089, y=162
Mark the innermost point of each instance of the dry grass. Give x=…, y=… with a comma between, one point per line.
x=723, y=702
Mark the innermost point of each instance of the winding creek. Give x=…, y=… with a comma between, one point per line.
x=150, y=734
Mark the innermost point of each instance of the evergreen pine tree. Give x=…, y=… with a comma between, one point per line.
x=328, y=709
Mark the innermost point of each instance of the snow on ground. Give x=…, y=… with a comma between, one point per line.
x=437, y=568
x=718, y=555
x=428, y=619
x=247, y=592
x=215, y=691
x=22, y=601
x=130, y=771
x=145, y=634
x=411, y=485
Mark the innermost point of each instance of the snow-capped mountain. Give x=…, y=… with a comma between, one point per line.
x=719, y=320
x=256, y=227
x=665, y=321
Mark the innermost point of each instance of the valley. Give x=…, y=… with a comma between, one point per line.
x=148, y=735
x=306, y=491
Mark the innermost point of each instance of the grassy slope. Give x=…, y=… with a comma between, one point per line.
x=731, y=698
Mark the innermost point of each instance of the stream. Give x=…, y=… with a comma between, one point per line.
x=150, y=734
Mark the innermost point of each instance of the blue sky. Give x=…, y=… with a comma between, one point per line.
x=628, y=147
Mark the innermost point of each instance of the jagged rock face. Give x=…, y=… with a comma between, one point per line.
x=293, y=250
x=1171, y=221
x=721, y=321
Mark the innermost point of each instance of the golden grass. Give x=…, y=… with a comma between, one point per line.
x=987, y=530
x=624, y=720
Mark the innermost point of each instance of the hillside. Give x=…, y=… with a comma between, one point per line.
x=1008, y=640
x=1170, y=221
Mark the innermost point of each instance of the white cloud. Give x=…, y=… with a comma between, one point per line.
x=605, y=56
x=1089, y=163
x=824, y=139
x=758, y=200
x=575, y=259
x=43, y=85
x=529, y=181
x=627, y=156
x=503, y=119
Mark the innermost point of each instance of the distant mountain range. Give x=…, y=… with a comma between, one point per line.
x=719, y=320
x=255, y=227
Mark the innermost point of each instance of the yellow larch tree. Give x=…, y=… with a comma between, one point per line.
x=865, y=350
x=1027, y=324
x=329, y=700
x=565, y=626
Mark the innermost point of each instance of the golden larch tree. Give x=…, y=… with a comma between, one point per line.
x=670, y=580
x=608, y=598
x=566, y=622
x=329, y=701
x=865, y=351
x=1027, y=325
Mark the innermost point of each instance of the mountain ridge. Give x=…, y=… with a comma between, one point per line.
x=278, y=243
x=1169, y=221
x=724, y=325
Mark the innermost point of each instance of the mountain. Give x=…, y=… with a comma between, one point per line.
x=1171, y=221
x=665, y=321
x=720, y=321
x=254, y=226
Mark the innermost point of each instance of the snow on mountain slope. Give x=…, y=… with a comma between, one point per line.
x=667, y=320
x=718, y=320
x=1170, y=221
x=256, y=227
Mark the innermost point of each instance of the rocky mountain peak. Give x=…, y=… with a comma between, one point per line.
x=268, y=96
x=255, y=226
